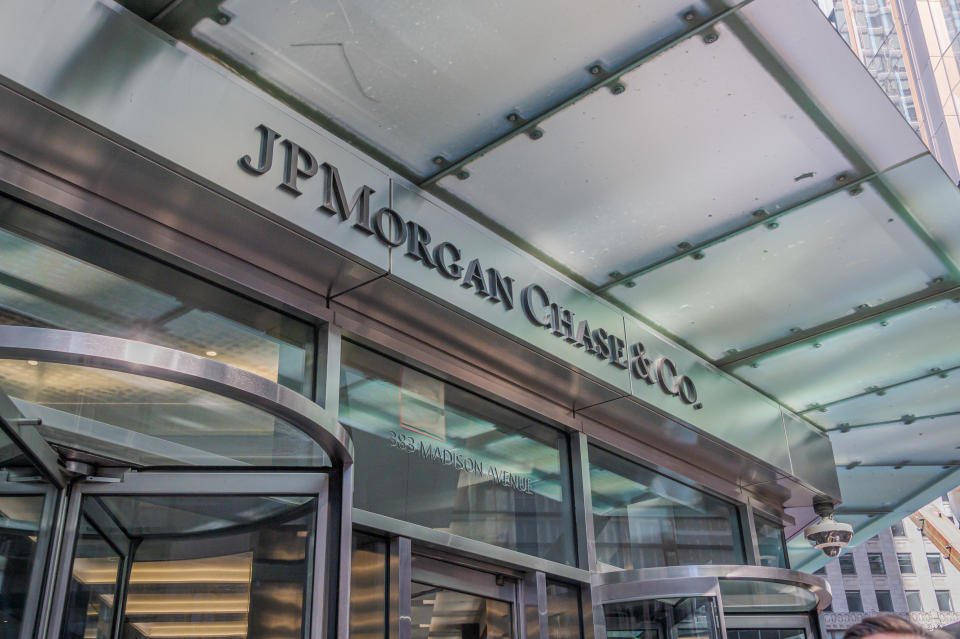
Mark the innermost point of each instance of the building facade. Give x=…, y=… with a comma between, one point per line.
x=259, y=380
x=898, y=571
x=912, y=50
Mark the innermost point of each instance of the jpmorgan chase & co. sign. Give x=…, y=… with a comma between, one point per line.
x=442, y=255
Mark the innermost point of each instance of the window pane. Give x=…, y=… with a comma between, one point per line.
x=935, y=563
x=368, y=587
x=770, y=544
x=433, y=454
x=681, y=618
x=56, y=275
x=88, y=613
x=897, y=529
x=438, y=612
x=906, y=563
x=854, y=603
x=876, y=564
x=913, y=601
x=847, y=566
x=943, y=600
x=884, y=601
x=643, y=519
x=563, y=611
x=19, y=529
x=202, y=566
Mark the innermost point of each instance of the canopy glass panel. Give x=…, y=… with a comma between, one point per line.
x=619, y=181
x=425, y=79
x=815, y=265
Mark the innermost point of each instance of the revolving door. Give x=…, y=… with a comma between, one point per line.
x=147, y=493
x=708, y=602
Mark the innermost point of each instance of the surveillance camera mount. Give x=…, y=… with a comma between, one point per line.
x=823, y=506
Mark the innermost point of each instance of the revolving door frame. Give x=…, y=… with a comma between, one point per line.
x=700, y=581
x=64, y=488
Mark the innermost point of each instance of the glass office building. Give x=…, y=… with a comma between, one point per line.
x=258, y=384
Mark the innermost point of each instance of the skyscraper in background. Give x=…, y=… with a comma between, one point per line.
x=911, y=48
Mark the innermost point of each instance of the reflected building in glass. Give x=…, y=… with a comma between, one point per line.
x=912, y=50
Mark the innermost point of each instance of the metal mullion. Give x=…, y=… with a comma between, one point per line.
x=889, y=309
x=33, y=613
x=331, y=378
x=543, y=616
x=608, y=79
x=120, y=599
x=316, y=622
x=345, y=497
x=61, y=581
x=583, y=502
x=899, y=420
x=748, y=527
x=400, y=588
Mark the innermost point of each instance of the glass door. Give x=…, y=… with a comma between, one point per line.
x=164, y=555
x=770, y=626
x=663, y=618
x=29, y=497
x=448, y=601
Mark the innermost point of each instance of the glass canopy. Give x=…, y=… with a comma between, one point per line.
x=728, y=173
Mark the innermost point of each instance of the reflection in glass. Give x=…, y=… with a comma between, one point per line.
x=148, y=422
x=19, y=530
x=563, y=611
x=437, y=613
x=676, y=618
x=435, y=455
x=55, y=275
x=93, y=586
x=217, y=566
x=368, y=587
x=767, y=633
x=643, y=519
x=773, y=553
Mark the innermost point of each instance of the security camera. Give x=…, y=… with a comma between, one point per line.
x=828, y=535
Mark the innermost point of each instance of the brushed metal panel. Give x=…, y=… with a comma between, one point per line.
x=477, y=242
x=70, y=151
x=812, y=455
x=641, y=424
x=731, y=412
x=389, y=301
x=84, y=58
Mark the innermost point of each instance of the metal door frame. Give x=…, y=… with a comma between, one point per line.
x=37, y=584
x=619, y=587
x=194, y=483
x=408, y=565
